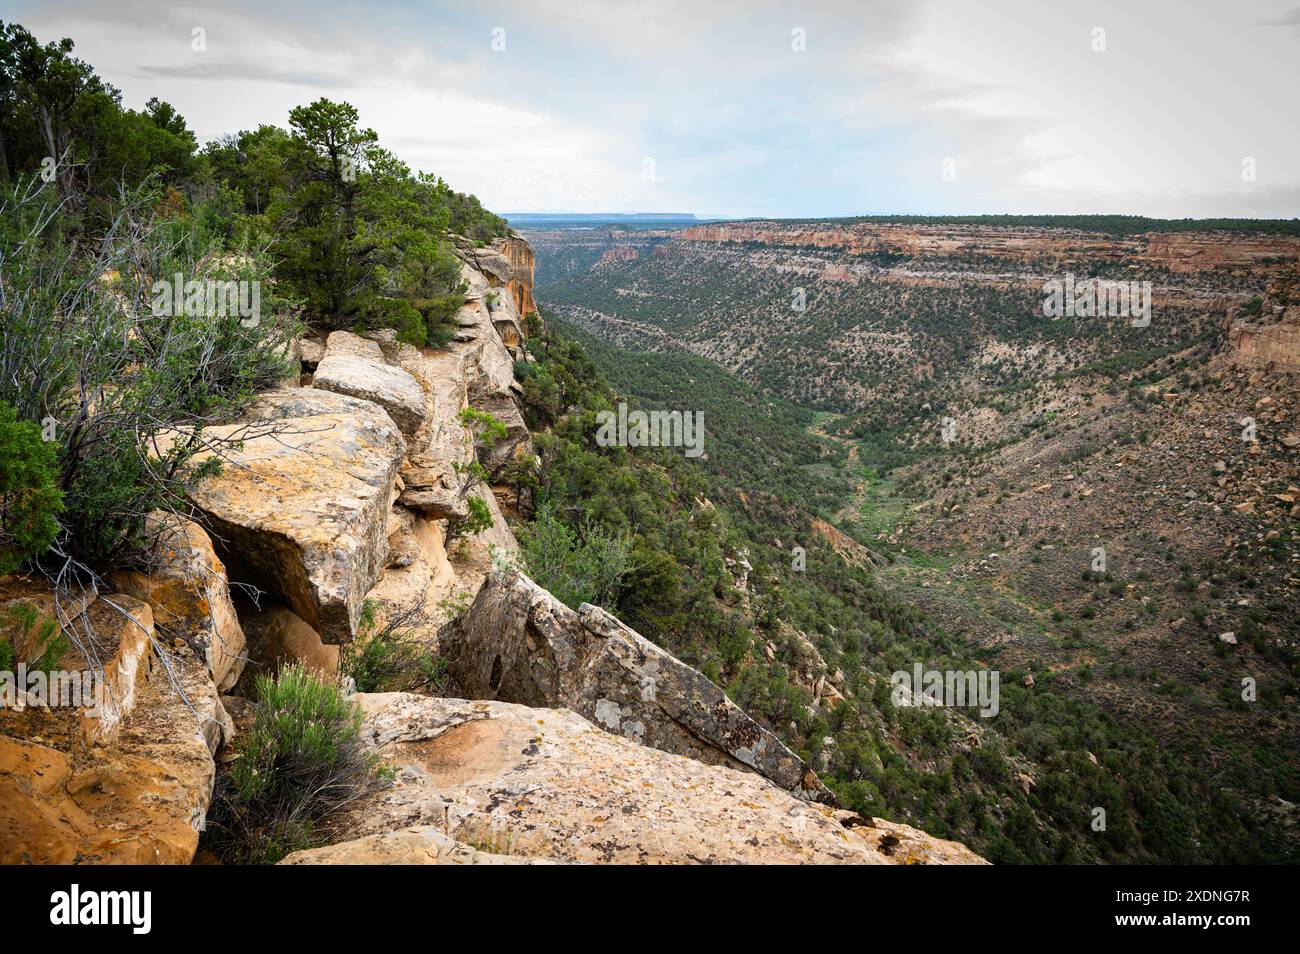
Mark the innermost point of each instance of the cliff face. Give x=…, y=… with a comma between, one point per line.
x=620, y=253
x=342, y=503
x=1182, y=252
x=522, y=267
x=1255, y=344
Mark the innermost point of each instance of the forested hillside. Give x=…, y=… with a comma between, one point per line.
x=711, y=576
x=824, y=432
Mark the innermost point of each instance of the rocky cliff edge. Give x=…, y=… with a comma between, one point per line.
x=580, y=741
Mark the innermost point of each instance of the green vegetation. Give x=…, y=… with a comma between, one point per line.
x=302, y=760
x=586, y=566
x=110, y=219
x=485, y=433
x=360, y=239
x=390, y=658
x=126, y=391
x=29, y=499
x=1163, y=802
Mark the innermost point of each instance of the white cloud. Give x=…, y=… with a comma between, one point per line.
x=738, y=122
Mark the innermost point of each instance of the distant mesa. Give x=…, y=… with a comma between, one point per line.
x=595, y=219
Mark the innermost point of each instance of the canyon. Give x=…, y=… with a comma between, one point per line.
x=577, y=740
x=914, y=397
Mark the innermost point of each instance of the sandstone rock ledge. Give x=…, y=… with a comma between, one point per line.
x=545, y=783
x=304, y=507
x=518, y=643
x=418, y=845
x=140, y=792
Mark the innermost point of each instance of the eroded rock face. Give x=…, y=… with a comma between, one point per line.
x=551, y=785
x=518, y=643
x=520, y=254
x=106, y=644
x=303, y=511
x=493, y=264
x=429, y=480
x=136, y=796
x=1258, y=345
x=188, y=591
x=1185, y=252
x=356, y=366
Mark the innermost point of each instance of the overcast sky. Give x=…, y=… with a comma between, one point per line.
x=754, y=108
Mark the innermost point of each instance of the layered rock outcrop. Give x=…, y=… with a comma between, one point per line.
x=518, y=643
x=138, y=790
x=353, y=365
x=302, y=509
x=188, y=591
x=1178, y=252
x=1255, y=344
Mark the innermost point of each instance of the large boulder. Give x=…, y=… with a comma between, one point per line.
x=355, y=366
x=518, y=643
x=302, y=509
x=429, y=480
x=494, y=264
x=549, y=784
x=186, y=586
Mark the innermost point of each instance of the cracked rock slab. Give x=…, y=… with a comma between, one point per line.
x=518, y=643
x=302, y=508
x=350, y=367
x=548, y=784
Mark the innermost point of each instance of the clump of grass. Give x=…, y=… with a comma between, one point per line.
x=389, y=658
x=302, y=760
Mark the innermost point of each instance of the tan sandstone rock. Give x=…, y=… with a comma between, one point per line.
x=188, y=591
x=551, y=785
x=350, y=367
x=419, y=845
x=303, y=512
x=518, y=643
x=137, y=796
x=106, y=644
x=276, y=636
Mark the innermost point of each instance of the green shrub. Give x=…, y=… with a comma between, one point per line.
x=29, y=500
x=300, y=762
x=479, y=519
x=94, y=345
x=586, y=567
x=389, y=658
x=485, y=432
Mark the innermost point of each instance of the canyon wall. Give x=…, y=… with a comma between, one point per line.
x=1175, y=251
